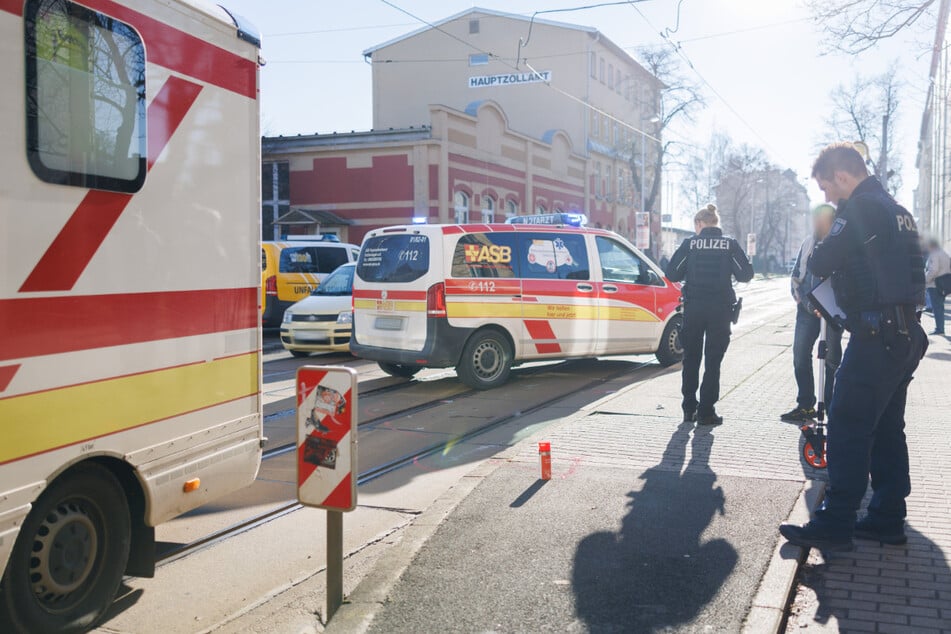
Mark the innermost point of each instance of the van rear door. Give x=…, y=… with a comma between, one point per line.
x=389, y=295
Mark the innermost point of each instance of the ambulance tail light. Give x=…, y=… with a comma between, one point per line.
x=436, y=300
x=270, y=285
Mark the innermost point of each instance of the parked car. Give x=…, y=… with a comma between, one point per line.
x=291, y=269
x=323, y=321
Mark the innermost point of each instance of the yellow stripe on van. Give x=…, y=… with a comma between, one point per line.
x=387, y=305
x=34, y=423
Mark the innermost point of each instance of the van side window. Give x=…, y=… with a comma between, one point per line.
x=329, y=258
x=553, y=256
x=85, y=106
x=485, y=255
x=620, y=264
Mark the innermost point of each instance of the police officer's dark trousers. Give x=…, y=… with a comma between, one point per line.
x=866, y=431
x=706, y=336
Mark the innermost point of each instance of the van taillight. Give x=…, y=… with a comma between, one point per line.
x=270, y=285
x=436, y=300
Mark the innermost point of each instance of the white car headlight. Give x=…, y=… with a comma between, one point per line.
x=345, y=318
x=288, y=316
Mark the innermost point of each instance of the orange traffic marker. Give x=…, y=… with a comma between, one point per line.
x=544, y=454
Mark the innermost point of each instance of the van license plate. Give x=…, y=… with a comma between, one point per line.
x=389, y=323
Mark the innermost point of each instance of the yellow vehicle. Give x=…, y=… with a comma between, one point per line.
x=292, y=269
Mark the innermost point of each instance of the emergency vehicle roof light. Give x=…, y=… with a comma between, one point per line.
x=569, y=219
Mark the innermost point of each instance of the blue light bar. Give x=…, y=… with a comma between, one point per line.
x=570, y=219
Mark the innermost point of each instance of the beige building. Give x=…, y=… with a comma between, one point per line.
x=545, y=76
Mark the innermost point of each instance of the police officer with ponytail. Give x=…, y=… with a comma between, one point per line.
x=707, y=264
x=874, y=257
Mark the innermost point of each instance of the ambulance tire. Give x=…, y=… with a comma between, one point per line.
x=671, y=349
x=70, y=555
x=486, y=360
x=399, y=369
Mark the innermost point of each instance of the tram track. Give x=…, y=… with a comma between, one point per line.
x=389, y=466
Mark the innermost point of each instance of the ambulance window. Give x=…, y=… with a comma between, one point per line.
x=394, y=259
x=85, y=107
x=620, y=264
x=485, y=255
x=553, y=256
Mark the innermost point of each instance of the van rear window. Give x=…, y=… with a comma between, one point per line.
x=311, y=259
x=394, y=259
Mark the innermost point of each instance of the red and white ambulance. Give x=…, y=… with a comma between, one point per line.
x=130, y=366
x=482, y=298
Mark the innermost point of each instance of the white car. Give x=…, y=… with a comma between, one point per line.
x=323, y=321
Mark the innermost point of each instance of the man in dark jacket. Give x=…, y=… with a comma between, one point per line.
x=707, y=264
x=874, y=257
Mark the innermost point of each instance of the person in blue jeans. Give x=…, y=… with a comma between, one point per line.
x=808, y=324
x=938, y=264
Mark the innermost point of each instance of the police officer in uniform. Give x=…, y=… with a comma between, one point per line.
x=874, y=257
x=706, y=262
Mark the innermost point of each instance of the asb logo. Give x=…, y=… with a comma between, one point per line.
x=484, y=253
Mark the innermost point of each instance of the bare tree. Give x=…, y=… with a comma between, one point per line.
x=701, y=169
x=854, y=26
x=866, y=110
x=677, y=99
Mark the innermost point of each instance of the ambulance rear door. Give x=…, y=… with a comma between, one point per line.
x=627, y=321
x=559, y=295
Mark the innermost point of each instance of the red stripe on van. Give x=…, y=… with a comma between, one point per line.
x=6, y=375
x=77, y=242
x=12, y=6
x=374, y=294
x=34, y=326
x=541, y=329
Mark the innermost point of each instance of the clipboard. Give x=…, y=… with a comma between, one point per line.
x=823, y=298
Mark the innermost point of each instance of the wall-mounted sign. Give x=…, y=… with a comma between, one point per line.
x=509, y=79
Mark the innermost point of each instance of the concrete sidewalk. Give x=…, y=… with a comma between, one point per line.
x=647, y=524
x=897, y=588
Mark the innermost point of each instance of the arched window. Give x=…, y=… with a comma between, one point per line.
x=558, y=210
x=461, y=201
x=511, y=209
x=540, y=209
x=488, y=209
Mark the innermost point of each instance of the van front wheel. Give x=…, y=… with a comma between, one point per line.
x=486, y=360
x=671, y=349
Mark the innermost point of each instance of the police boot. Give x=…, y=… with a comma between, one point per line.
x=710, y=420
x=867, y=528
x=811, y=536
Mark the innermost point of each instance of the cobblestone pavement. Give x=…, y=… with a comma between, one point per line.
x=897, y=588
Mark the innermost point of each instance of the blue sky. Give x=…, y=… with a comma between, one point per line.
x=761, y=56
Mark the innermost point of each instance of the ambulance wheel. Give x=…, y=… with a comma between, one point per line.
x=300, y=354
x=486, y=360
x=671, y=350
x=399, y=369
x=69, y=556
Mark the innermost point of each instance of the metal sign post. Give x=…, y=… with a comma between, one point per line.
x=327, y=457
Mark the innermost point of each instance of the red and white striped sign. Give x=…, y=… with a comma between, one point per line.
x=327, y=437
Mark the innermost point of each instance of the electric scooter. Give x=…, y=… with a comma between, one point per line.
x=814, y=449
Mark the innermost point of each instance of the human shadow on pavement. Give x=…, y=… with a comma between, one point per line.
x=657, y=572
x=922, y=591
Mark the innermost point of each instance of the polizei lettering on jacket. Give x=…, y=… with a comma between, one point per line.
x=513, y=78
x=721, y=244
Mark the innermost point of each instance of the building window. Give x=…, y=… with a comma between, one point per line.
x=275, y=197
x=473, y=27
x=605, y=127
x=617, y=81
x=609, y=186
x=478, y=59
x=461, y=207
x=594, y=64
x=595, y=121
x=601, y=70
x=597, y=179
x=617, y=134
x=627, y=87
x=85, y=84
x=540, y=209
x=610, y=75
x=511, y=209
x=488, y=209
x=558, y=210
x=620, y=184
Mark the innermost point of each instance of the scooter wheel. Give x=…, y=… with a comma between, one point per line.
x=813, y=458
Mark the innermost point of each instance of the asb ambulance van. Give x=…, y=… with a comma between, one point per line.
x=482, y=298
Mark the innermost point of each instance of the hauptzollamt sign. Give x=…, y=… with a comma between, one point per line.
x=484, y=81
